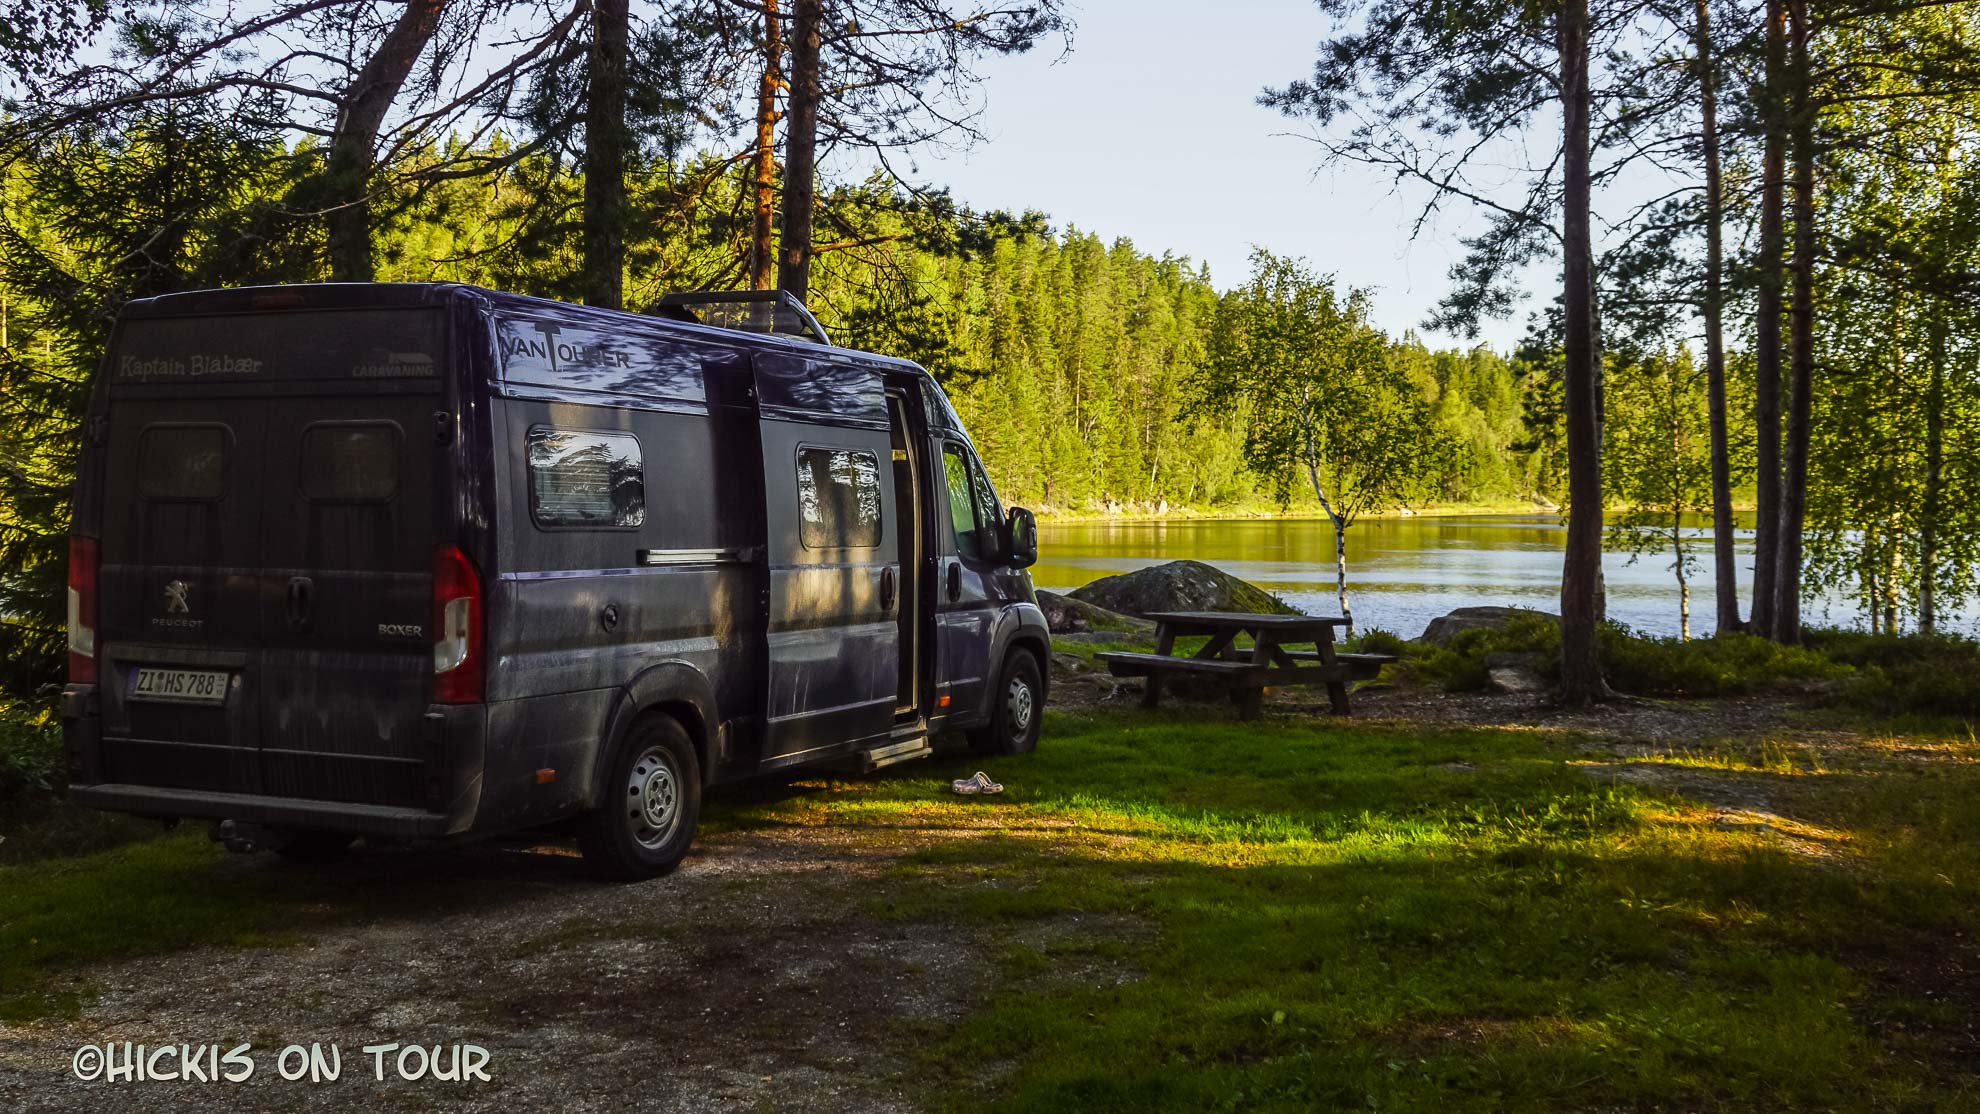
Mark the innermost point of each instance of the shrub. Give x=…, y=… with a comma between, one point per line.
x=1633, y=663
x=1722, y=665
x=30, y=752
x=1906, y=674
x=1375, y=640
x=1459, y=665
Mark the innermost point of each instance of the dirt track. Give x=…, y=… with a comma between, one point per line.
x=749, y=979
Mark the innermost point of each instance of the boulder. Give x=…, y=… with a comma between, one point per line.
x=1180, y=586
x=1516, y=673
x=1066, y=615
x=1446, y=627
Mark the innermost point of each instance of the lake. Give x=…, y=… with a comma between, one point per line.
x=1402, y=572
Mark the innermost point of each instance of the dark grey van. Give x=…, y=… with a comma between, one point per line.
x=429, y=561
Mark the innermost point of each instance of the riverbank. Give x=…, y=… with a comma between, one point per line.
x=1167, y=512
x=1131, y=512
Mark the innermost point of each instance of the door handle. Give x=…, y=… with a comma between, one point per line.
x=887, y=589
x=299, y=587
x=955, y=581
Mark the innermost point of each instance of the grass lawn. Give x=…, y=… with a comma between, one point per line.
x=1388, y=918
x=1307, y=914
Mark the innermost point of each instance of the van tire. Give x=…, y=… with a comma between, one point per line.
x=307, y=845
x=1017, y=708
x=649, y=804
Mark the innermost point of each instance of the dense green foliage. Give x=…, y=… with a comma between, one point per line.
x=1097, y=376
x=1074, y=361
x=30, y=754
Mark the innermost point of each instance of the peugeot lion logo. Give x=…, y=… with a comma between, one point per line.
x=175, y=598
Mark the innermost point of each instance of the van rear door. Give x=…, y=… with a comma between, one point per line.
x=179, y=615
x=347, y=565
x=269, y=530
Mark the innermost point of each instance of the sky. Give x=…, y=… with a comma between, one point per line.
x=1148, y=128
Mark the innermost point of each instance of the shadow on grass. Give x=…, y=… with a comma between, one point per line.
x=1336, y=915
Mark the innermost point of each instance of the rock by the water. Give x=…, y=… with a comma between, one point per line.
x=1180, y=586
x=1516, y=673
x=1066, y=615
x=1446, y=627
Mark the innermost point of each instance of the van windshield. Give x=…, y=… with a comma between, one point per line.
x=289, y=345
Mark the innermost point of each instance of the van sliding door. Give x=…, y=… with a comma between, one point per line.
x=835, y=579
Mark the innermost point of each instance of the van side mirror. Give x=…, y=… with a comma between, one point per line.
x=1020, y=539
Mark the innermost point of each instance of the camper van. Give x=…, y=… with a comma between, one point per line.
x=428, y=561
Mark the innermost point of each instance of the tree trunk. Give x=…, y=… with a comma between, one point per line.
x=1725, y=575
x=605, y=143
x=1340, y=528
x=1340, y=569
x=1935, y=461
x=1767, y=329
x=1684, y=582
x=1801, y=341
x=1581, y=570
x=1891, y=593
x=762, y=238
x=349, y=160
x=800, y=150
x=1870, y=585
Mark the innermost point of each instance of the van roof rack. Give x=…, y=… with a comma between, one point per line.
x=752, y=311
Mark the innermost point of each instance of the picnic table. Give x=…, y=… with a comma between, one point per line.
x=1271, y=659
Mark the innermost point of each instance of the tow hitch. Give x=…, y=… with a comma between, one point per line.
x=241, y=836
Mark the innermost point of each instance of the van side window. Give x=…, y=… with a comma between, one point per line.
x=350, y=462
x=962, y=504
x=987, y=517
x=838, y=498
x=584, y=479
x=183, y=462
x=935, y=405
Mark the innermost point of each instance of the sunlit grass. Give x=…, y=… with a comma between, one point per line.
x=1178, y=911
x=1343, y=917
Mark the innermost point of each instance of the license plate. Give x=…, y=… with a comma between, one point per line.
x=184, y=686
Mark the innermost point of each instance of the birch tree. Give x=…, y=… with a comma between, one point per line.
x=1324, y=401
x=1658, y=463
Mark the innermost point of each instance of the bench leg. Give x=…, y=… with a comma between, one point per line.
x=1151, y=690
x=1250, y=702
x=1337, y=696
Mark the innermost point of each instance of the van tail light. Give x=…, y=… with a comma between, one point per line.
x=457, y=629
x=82, y=610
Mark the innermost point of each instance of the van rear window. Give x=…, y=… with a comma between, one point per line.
x=350, y=462
x=583, y=479
x=838, y=498
x=183, y=462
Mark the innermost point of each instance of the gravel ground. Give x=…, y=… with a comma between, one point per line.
x=749, y=979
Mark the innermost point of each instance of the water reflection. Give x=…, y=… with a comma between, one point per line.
x=1401, y=572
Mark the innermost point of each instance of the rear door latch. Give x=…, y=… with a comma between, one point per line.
x=299, y=587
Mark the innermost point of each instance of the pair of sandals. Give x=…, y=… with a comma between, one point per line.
x=976, y=783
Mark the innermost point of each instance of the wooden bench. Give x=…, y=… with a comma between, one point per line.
x=1248, y=672
x=1368, y=666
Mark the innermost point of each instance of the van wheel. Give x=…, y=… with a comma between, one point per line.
x=1017, y=711
x=309, y=846
x=652, y=802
